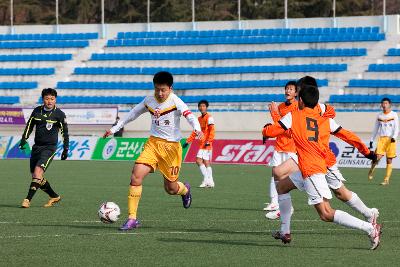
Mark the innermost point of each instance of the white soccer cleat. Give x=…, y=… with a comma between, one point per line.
x=375, y=236
x=210, y=184
x=203, y=185
x=276, y=214
x=207, y=184
x=374, y=217
x=271, y=207
x=273, y=215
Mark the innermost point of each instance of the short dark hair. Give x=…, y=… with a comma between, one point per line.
x=386, y=99
x=203, y=101
x=163, y=77
x=291, y=83
x=309, y=94
x=49, y=91
x=307, y=80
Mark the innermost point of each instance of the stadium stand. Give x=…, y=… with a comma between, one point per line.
x=253, y=63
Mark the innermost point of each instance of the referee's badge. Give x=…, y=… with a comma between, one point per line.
x=49, y=125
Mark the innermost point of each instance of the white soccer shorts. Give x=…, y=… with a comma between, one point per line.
x=280, y=157
x=317, y=188
x=205, y=154
x=334, y=177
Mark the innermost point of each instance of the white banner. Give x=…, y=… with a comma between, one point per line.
x=80, y=148
x=86, y=116
x=348, y=156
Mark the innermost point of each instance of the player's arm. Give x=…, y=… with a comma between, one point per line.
x=351, y=138
x=191, y=119
x=273, y=130
x=274, y=111
x=28, y=130
x=210, y=135
x=327, y=111
x=65, y=136
x=396, y=129
x=374, y=132
x=138, y=110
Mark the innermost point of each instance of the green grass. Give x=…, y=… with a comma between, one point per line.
x=225, y=226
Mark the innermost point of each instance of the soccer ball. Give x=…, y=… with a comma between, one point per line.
x=109, y=212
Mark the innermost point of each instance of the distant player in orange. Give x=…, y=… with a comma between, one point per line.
x=309, y=129
x=284, y=147
x=204, y=155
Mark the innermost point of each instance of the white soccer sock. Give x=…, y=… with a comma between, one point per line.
x=209, y=174
x=203, y=170
x=356, y=203
x=285, y=207
x=272, y=192
x=345, y=219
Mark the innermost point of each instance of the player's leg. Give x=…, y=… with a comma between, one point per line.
x=272, y=207
x=170, y=166
x=380, y=151
x=146, y=163
x=335, y=180
x=202, y=167
x=180, y=189
x=286, y=167
x=207, y=162
x=319, y=194
x=285, y=208
x=44, y=162
x=135, y=193
x=389, y=167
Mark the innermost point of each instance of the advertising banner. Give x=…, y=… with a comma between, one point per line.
x=86, y=116
x=121, y=148
x=236, y=152
x=11, y=116
x=80, y=148
x=254, y=152
x=4, y=143
x=348, y=156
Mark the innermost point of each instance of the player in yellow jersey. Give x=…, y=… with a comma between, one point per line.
x=387, y=128
x=163, y=150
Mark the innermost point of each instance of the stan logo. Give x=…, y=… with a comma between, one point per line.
x=49, y=125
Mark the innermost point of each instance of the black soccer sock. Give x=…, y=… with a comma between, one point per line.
x=32, y=190
x=48, y=190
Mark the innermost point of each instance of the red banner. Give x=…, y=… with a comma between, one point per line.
x=236, y=152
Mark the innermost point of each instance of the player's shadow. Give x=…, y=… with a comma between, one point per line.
x=223, y=208
x=266, y=243
x=16, y=206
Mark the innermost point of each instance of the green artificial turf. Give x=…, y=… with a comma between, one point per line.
x=225, y=225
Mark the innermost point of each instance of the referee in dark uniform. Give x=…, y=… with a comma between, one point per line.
x=48, y=120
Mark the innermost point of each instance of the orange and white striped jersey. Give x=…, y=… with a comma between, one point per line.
x=207, y=125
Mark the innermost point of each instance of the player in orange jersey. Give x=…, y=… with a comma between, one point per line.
x=284, y=147
x=204, y=155
x=308, y=128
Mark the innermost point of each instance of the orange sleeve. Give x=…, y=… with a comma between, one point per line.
x=211, y=133
x=352, y=139
x=272, y=130
x=275, y=116
x=329, y=112
x=191, y=137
